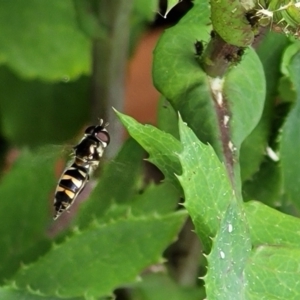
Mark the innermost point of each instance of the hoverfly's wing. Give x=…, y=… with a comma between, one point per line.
x=50, y=152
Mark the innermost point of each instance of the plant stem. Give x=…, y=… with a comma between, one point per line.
x=110, y=56
x=184, y=256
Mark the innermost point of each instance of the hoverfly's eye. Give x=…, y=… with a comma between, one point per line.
x=103, y=136
x=90, y=130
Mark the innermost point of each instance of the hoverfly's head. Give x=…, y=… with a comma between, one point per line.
x=99, y=132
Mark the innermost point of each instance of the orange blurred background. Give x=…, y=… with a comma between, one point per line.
x=141, y=96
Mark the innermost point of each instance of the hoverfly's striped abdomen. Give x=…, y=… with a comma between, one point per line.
x=87, y=156
x=70, y=185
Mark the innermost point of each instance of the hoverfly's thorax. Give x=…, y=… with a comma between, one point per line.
x=85, y=150
x=87, y=157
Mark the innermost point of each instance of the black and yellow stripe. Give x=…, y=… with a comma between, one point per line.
x=70, y=185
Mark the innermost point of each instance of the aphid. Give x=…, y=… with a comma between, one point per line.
x=87, y=156
x=235, y=57
x=240, y=52
x=229, y=57
x=198, y=48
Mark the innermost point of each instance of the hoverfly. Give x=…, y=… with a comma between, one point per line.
x=87, y=154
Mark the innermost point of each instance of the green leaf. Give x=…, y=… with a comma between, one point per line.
x=273, y=267
x=117, y=185
x=35, y=113
x=170, y=5
x=292, y=50
x=24, y=208
x=273, y=272
x=145, y=9
x=162, y=147
x=94, y=262
x=177, y=75
x=228, y=19
x=269, y=226
x=204, y=180
x=266, y=185
x=157, y=199
x=167, y=118
x=286, y=90
x=42, y=40
x=162, y=287
x=87, y=19
x=206, y=185
x=162, y=199
x=175, y=54
x=10, y=293
x=245, y=92
x=253, y=148
x=229, y=255
x=290, y=141
x=269, y=270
